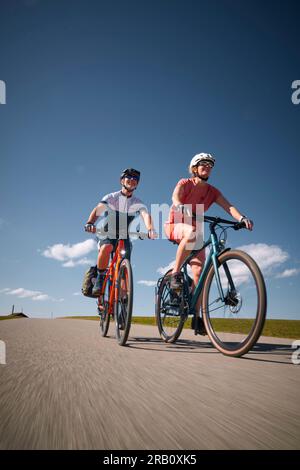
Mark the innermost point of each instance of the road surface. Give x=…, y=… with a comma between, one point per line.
x=66, y=387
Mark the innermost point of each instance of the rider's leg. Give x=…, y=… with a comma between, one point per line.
x=102, y=262
x=103, y=256
x=184, y=235
x=197, y=264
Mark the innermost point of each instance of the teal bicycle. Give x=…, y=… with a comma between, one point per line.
x=234, y=299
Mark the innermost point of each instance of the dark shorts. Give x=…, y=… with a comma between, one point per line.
x=114, y=242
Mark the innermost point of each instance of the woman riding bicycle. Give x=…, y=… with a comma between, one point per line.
x=193, y=191
x=121, y=208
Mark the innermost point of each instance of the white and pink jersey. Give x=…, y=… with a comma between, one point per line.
x=121, y=211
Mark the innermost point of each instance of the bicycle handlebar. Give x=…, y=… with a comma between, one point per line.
x=140, y=235
x=136, y=235
x=217, y=220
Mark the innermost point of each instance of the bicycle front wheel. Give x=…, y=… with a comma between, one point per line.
x=235, y=322
x=169, y=319
x=123, y=305
x=103, y=309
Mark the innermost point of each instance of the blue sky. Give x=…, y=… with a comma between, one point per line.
x=93, y=87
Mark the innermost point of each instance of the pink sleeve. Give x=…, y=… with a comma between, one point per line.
x=183, y=183
x=216, y=193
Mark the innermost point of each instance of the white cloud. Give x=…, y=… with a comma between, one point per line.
x=80, y=262
x=240, y=273
x=163, y=269
x=29, y=294
x=23, y=293
x=77, y=293
x=2, y=291
x=68, y=252
x=148, y=283
x=267, y=257
x=41, y=297
x=288, y=273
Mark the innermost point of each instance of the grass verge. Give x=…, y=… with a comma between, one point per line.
x=276, y=328
x=8, y=317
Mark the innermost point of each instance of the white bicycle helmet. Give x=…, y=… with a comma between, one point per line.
x=200, y=157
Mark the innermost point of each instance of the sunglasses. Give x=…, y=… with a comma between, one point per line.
x=204, y=163
x=132, y=177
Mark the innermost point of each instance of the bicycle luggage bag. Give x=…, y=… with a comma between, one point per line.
x=88, y=282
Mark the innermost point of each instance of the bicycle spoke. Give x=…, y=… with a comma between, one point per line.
x=123, y=312
x=169, y=317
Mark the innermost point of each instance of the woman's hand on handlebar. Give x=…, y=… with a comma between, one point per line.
x=247, y=222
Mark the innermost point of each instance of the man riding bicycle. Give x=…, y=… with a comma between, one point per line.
x=193, y=191
x=120, y=208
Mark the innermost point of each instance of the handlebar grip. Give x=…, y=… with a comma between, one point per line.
x=239, y=226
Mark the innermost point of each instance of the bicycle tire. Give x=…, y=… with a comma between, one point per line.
x=104, y=314
x=161, y=319
x=123, y=324
x=261, y=309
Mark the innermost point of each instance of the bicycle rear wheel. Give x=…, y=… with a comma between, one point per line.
x=123, y=305
x=235, y=324
x=103, y=309
x=169, y=319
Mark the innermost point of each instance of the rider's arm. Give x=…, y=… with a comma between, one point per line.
x=96, y=212
x=230, y=209
x=177, y=197
x=149, y=223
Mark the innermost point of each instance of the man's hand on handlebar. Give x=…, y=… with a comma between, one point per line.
x=152, y=234
x=89, y=227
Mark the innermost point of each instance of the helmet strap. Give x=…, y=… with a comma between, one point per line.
x=129, y=190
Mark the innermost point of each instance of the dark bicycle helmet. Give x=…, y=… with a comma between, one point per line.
x=130, y=172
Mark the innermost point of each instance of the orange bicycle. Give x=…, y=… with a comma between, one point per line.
x=116, y=298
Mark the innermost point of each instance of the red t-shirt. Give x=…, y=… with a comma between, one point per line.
x=194, y=194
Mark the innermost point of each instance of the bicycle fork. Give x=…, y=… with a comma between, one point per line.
x=231, y=285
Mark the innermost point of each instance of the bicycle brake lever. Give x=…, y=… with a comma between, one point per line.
x=239, y=226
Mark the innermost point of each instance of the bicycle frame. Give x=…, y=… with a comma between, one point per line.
x=112, y=276
x=215, y=250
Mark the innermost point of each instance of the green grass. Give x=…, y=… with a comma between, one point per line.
x=275, y=328
x=282, y=328
x=8, y=317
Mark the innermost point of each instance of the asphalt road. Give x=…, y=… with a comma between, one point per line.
x=66, y=387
